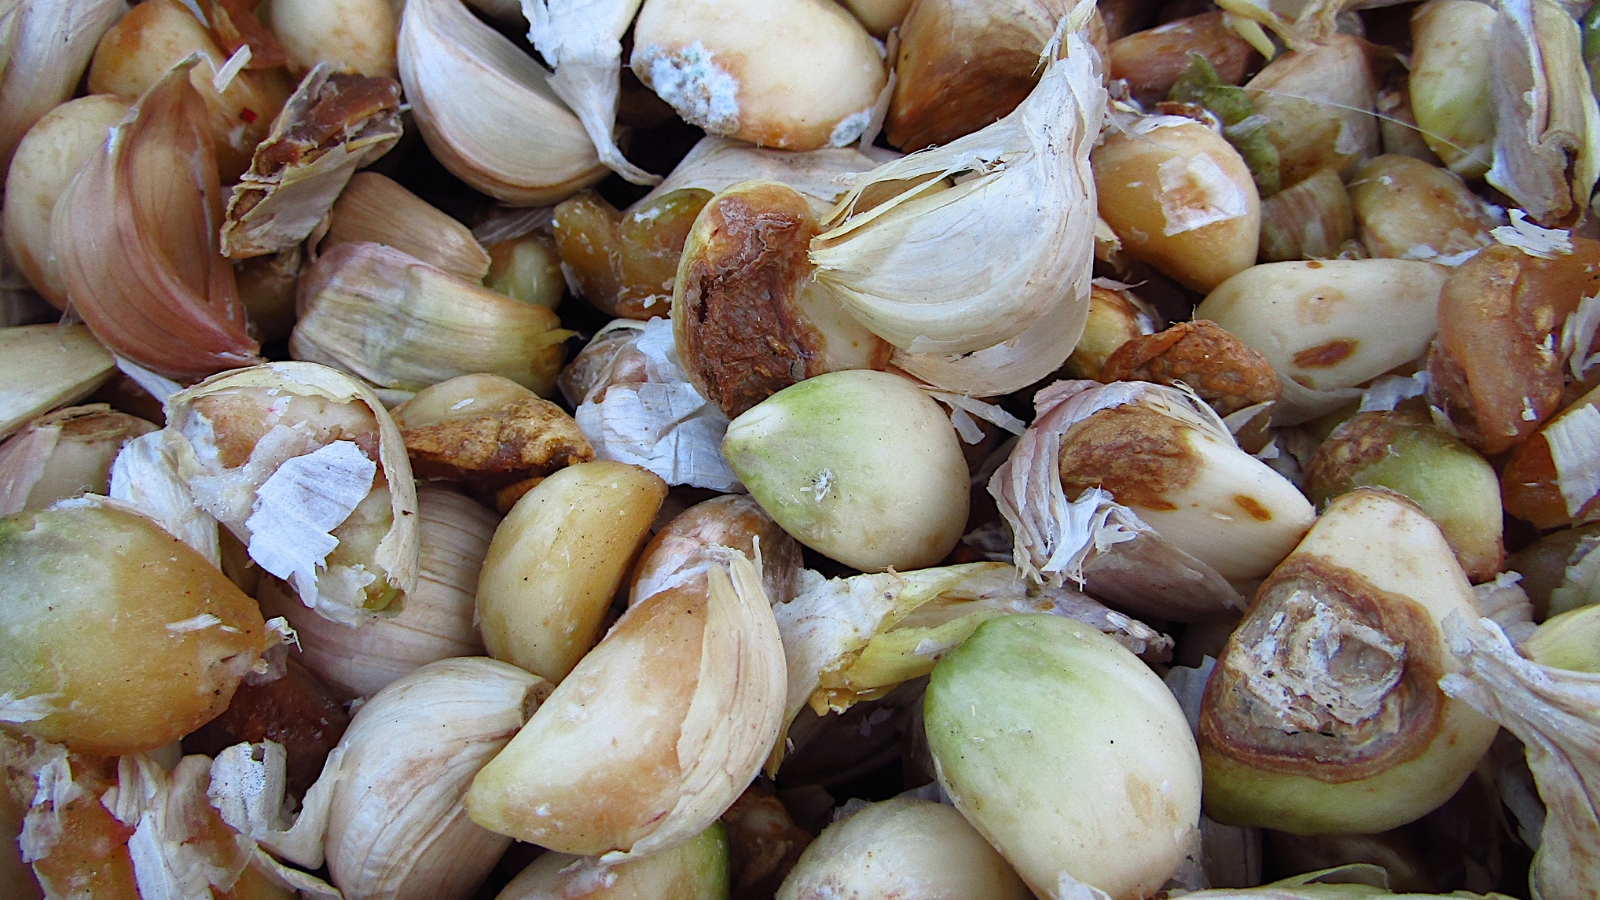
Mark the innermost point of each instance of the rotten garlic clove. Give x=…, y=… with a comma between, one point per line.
x=47, y=44
x=64, y=454
x=527, y=269
x=173, y=636
x=697, y=870
x=732, y=68
x=626, y=263
x=1408, y=209
x=1324, y=714
x=656, y=731
x=305, y=466
x=861, y=466
x=375, y=209
x=348, y=35
x=1217, y=366
x=1553, y=477
x=911, y=847
x=734, y=521
x=45, y=367
x=1450, y=82
x=1019, y=719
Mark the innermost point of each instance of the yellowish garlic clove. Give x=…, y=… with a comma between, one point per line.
x=879, y=16
x=1549, y=478
x=527, y=268
x=1450, y=82
x=1407, y=209
x=1558, y=572
x=47, y=367
x=734, y=521
x=1310, y=220
x=731, y=68
x=1567, y=641
x=1397, y=123
x=626, y=263
x=348, y=35
x=47, y=45
x=402, y=324
x=697, y=870
x=64, y=454
x=1324, y=714
x=1319, y=106
x=1116, y=316
x=375, y=209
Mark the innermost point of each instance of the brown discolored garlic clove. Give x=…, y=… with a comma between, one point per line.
x=733, y=521
x=374, y=209
x=1217, y=366
x=64, y=454
x=234, y=25
x=268, y=286
x=1310, y=220
x=1409, y=209
x=626, y=263
x=528, y=269
x=1551, y=477
x=1152, y=60
x=763, y=842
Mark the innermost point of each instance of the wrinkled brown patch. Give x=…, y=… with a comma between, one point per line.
x=1137, y=454
x=1326, y=355
x=1216, y=365
x=1359, y=442
x=531, y=437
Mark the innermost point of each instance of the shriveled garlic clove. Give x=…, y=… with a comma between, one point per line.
x=697, y=870
x=46, y=367
x=655, y=732
x=488, y=431
x=349, y=35
x=331, y=125
x=1116, y=316
x=1019, y=719
x=731, y=69
x=734, y=521
x=136, y=237
x=175, y=635
x=1324, y=714
x=1217, y=366
x=1319, y=106
x=1152, y=60
x=1311, y=220
x=859, y=465
x=403, y=324
x=1450, y=82
x=626, y=263
x=48, y=44
x=306, y=467
x=64, y=454
x=1553, y=477
x=487, y=111
x=557, y=560
x=1408, y=209
x=49, y=156
x=911, y=846
x=375, y=209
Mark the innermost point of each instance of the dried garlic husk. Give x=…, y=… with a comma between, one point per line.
x=136, y=236
x=1018, y=719
x=400, y=323
x=1116, y=316
x=375, y=209
x=557, y=560
x=176, y=636
x=1179, y=197
x=697, y=870
x=1155, y=59
x=734, y=521
x=1551, y=711
x=145, y=476
x=1310, y=220
x=1408, y=209
x=732, y=69
x=903, y=846
x=45, y=367
x=487, y=111
x=349, y=35
x=49, y=156
x=1324, y=715
x=397, y=827
x=1559, y=571
x=305, y=466
x=64, y=454
x=861, y=466
x=1547, y=123
x=657, y=730
x=748, y=317
x=439, y=620
x=716, y=163
x=332, y=124
x=1553, y=477
x=1450, y=82
x=47, y=45
x=1451, y=483
x=1328, y=326
x=1318, y=104
x=1027, y=206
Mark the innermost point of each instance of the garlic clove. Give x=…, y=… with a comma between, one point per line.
x=527, y=269
x=1319, y=105
x=487, y=111
x=656, y=731
x=731, y=68
x=1217, y=366
x=349, y=35
x=1298, y=735
x=1567, y=641
x=375, y=209
x=1310, y=220
x=626, y=263
x=697, y=870
x=1557, y=571
x=557, y=560
x=64, y=454
x=234, y=25
x=1116, y=316
x=46, y=367
x=878, y=16
x=1550, y=479
x=267, y=288
x=48, y=44
x=1152, y=60
x=858, y=465
x=1450, y=82
x=734, y=521
x=1405, y=208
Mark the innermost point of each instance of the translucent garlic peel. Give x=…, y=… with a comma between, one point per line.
x=145, y=477
x=299, y=504
x=717, y=163
x=1574, y=441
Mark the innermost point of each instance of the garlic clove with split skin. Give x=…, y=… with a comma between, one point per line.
x=373, y=208
x=64, y=454
x=732, y=520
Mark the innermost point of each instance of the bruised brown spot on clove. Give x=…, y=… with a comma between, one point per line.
x=343, y=105
x=1327, y=355
x=501, y=446
x=1218, y=366
x=1252, y=508
x=1136, y=453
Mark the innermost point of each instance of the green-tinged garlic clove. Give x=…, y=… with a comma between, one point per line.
x=732, y=68
x=403, y=324
x=350, y=35
x=170, y=637
x=656, y=731
x=697, y=870
x=1152, y=60
x=1450, y=78
x=1324, y=715
x=1558, y=571
x=734, y=521
x=861, y=466
x=557, y=560
x=1311, y=220
x=1116, y=316
x=439, y=618
x=45, y=367
x=64, y=454
x=1067, y=753
x=48, y=157
x=1569, y=641
x=904, y=847
x=1319, y=106
x=1452, y=484
x=46, y=45
x=1408, y=209
x=626, y=263
x=375, y=209
x=1551, y=478
x=1180, y=198
x=528, y=269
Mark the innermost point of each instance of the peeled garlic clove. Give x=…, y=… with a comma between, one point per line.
x=47, y=45
x=528, y=269
x=1324, y=714
x=1406, y=208
x=46, y=367
x=137, y=241
x=1179, y=197
x=487, y=111
x=655, y=732
x=1116, y=316
x=919, y=848
x=1152, y=60
x=489, y=431
x=1214, y=364
x=734, y=521
x=305, y=466
x=96, y=859
x=859, y=465
x=558, y=558
x=1567, y=641
x=1453, y=485
x=349, y=35
x=1450, y=82
x=697, y=870
x=400, y=323
x=64, y=454
x=177, y=635
x=375, y=209
x=730, y=68
x=1319, y=106
x=1311, y=220
x=626, y=263
x=331, y=125
x=747, y=322
x=1019, y=719
x=49, y=156
x=1553, y=477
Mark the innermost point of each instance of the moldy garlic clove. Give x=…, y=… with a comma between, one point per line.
x=1408, y=209
x=1450, y=82
x=697, y=870
x=64, y=454
x=46, y=367
x=734, y=521
x=349, y=35
x=374, y=209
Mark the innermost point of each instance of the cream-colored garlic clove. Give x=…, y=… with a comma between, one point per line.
x=732, y=69
x=349, y=35
x=47, y=45
x=734, y=521
x=697, y=870
x=64, y=454
x=375, y=209
x=46, y=367
x=1408, y=209
x=1116, y=316
x=1450, y=82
